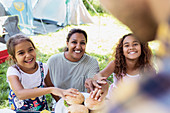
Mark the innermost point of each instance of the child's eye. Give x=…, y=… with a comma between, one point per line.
x=74, y=42
x=126, y=45
x=20, y=53
x=31, y=49
x=135, y=44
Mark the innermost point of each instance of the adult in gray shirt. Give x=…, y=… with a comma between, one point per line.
x=71, y=68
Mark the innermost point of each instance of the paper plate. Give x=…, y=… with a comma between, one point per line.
x=60, y=108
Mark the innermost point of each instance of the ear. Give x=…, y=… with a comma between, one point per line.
x=12, y=58
x=67, y=44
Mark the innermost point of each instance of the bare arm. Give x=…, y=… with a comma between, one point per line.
x=22, y=93
x=98, y=85
x=50, y=84
x=108, y=70
x=100, y=78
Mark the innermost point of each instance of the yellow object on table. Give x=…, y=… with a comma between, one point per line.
x=45, y=111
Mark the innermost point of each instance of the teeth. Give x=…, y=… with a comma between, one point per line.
x=77, y=51
x=132, y=53
x=29, y=60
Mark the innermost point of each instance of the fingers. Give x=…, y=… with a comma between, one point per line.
x=98, y=94
x=89, y=84
x=73, y=91
x=103, y=78
x=70, y=92
x=93, y=93
x=94, y=82
x=102, y=97
x=101, y=82
x=91, y=87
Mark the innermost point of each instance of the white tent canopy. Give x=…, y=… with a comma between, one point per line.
x=62, y=11
x=57, y=12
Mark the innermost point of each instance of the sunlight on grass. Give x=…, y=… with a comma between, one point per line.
x=102, y=36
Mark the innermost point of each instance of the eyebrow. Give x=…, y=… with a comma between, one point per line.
x=128, y=42
x=23, y=50
x=19, y=51
x=80, y=41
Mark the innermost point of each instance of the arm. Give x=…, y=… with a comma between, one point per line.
x=22, y=93
x=107, y=71
x=99, y=78
x=49, y=84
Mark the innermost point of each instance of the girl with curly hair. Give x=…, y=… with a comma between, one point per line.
x=132, y=59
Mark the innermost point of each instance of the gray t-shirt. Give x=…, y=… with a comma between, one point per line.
x=66, y=74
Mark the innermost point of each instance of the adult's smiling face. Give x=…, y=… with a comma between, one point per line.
x=76, y=47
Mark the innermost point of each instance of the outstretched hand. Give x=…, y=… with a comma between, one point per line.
x=100, y=94
x=62, y=93
x=96, y=82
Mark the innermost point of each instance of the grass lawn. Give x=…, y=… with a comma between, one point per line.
x=102, y=36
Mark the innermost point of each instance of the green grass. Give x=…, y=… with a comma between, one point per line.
x=4, y=87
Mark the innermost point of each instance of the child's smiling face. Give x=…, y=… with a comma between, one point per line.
x=25, y=55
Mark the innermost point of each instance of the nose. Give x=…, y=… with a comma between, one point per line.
x=131, y=47
x=27, y=54
x=78, y=46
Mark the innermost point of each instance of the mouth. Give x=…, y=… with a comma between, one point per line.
x=29, y=61
x=77, y=51
x=133, y=52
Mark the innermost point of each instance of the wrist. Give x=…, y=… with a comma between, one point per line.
x=52, y=90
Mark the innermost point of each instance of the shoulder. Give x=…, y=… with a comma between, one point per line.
x=89, y=58
x=112, y=64
x=55, y=57
x=12, y=70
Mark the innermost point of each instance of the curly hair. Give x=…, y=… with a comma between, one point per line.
x=144, y=61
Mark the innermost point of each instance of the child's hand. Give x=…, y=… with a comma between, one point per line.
x=100, y=94
x=70, y=92
x=91, y=83
x=62, y=93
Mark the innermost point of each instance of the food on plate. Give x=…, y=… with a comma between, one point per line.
x=78, y=99
x=97, y=111
x=93, y=104
x=77, y=108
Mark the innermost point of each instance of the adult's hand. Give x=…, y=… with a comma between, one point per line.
x=100, y=94
x=96, y=82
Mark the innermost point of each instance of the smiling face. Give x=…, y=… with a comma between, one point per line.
x=25, y=56
x=131, y=48
x=76, y=47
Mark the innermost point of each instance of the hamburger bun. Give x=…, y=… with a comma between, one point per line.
x=77, y=108
x=93, y=104
x=78, y=99
x=97, y=111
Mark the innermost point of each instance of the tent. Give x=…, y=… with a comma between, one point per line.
x=62, y=11
x=23, y=9
x=54, y=12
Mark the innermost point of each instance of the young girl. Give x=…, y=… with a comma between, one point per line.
x=26, y=77
x=132, y=59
